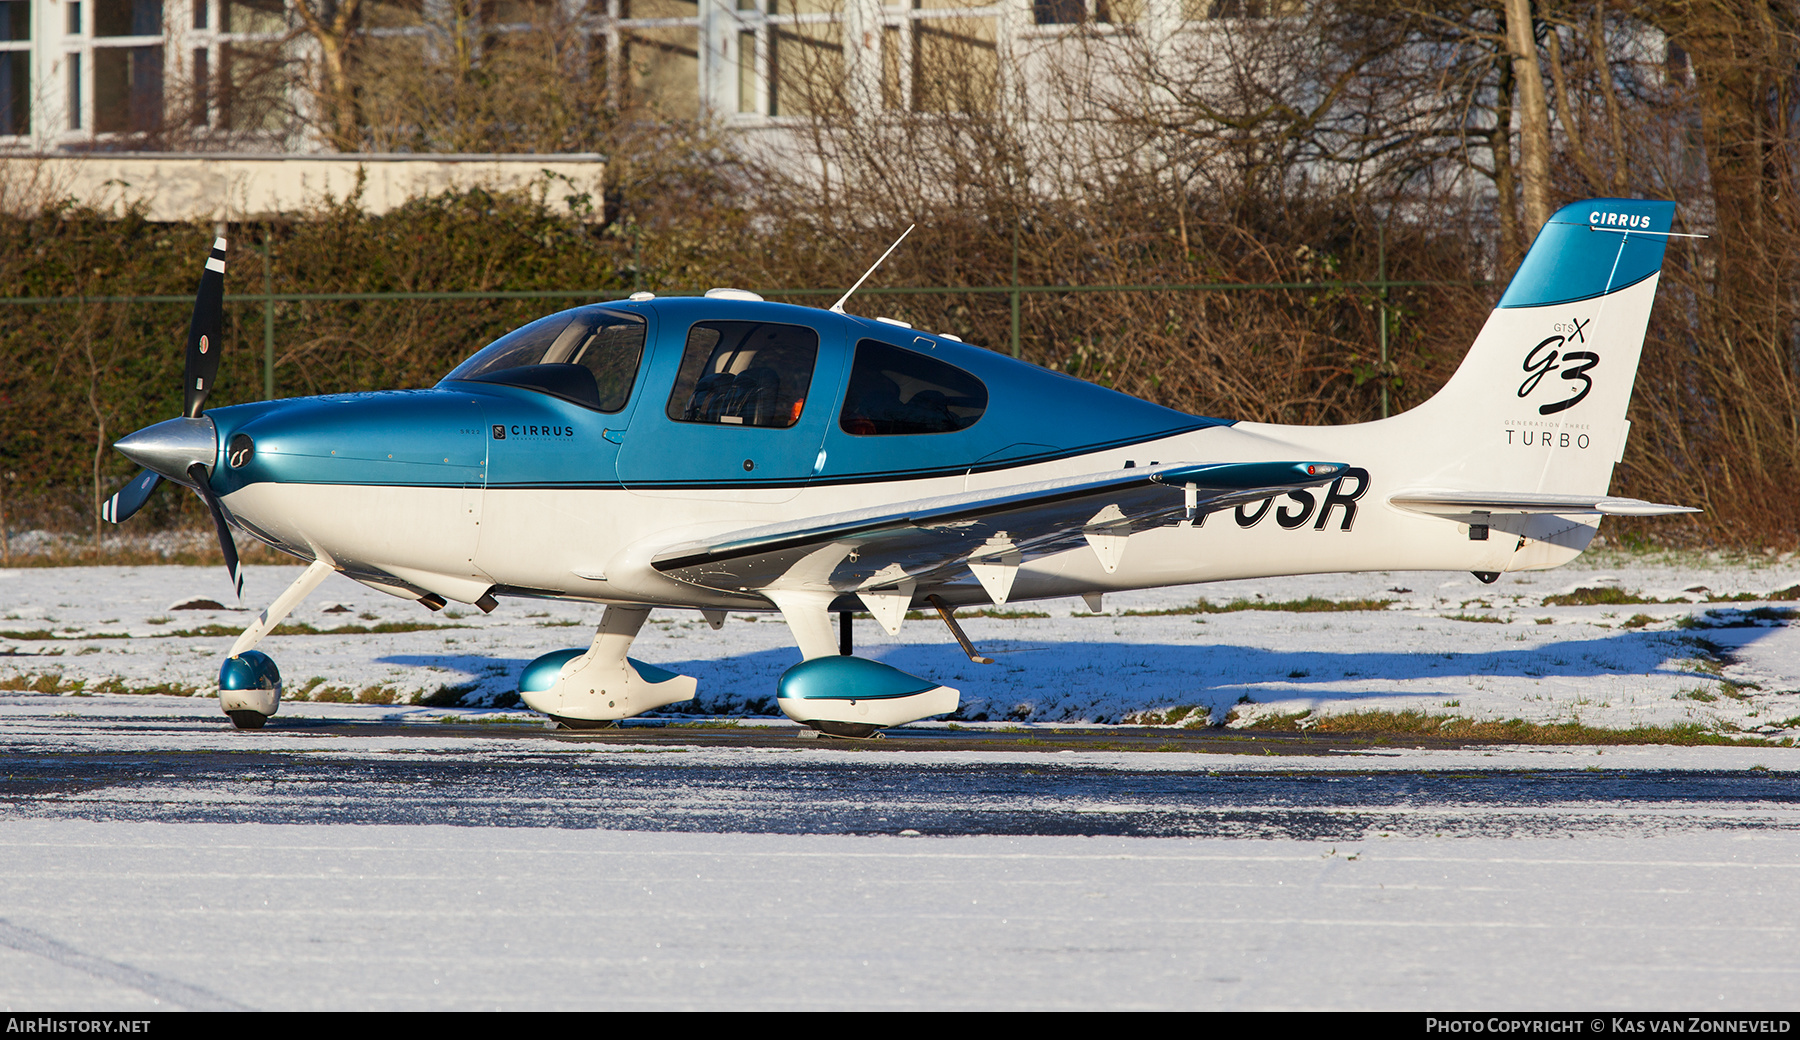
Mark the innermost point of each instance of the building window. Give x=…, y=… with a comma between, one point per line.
x=659, y=47
x=955, y=61
x=1205, y=10
x=15, y=67
x=128, y=89
x=256, y=17
x=1111, y=12
x=806, y=67
x=746, y=82
x=250, y=94
x=74, y=65
x=128, y=18
x=202, y=85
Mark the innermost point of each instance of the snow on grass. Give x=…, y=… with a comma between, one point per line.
x=1615, y=641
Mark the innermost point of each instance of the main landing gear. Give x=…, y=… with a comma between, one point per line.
x=597, y=687
x=841, y=695
x=830, y=691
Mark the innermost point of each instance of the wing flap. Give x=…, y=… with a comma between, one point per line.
x=927, y=539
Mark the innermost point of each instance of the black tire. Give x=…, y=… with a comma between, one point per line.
x=247, y=719
x=568, y=723
x=856, y=730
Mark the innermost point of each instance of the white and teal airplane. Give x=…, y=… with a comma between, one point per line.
x=723, y=454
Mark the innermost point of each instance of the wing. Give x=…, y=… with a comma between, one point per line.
x=900, y=546
x=1461, y=504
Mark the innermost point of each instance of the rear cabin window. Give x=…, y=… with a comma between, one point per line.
x=745, y=373
x=587, y=355
x=895, y=391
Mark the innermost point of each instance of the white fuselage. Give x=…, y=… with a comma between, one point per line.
x=595, y=545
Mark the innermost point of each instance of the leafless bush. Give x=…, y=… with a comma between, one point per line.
x=1251, y=145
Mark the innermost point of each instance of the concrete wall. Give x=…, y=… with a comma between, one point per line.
x=220, y=187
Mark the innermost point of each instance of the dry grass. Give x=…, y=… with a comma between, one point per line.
x=1508, y=731
x=1189, y=716
x=1607, y=596
x=194, y=547
x=1309, y=605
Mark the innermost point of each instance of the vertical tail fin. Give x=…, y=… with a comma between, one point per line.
x=1538, y=405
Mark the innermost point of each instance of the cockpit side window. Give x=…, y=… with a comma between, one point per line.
x=896, y=391
x=744, y=373
x=588, y=355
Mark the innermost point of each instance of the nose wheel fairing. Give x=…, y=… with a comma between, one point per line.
x=249, y=689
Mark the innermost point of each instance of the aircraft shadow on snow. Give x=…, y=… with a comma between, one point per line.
x=1101, y=680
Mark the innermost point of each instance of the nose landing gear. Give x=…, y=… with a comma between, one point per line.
x=249, y=689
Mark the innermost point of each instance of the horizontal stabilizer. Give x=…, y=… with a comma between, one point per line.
x=1463, y=503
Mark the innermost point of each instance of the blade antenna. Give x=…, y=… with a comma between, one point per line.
x=838, y=307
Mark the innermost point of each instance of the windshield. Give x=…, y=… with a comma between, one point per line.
x=588, y=355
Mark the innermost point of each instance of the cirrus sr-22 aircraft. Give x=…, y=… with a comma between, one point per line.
x=723, y=453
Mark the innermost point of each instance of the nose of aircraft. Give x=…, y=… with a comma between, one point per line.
x=171, y=446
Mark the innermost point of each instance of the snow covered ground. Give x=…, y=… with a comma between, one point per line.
x=1666, y=901
x=1444, y=644
x=141, y=916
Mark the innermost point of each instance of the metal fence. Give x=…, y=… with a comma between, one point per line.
x=1378, y=288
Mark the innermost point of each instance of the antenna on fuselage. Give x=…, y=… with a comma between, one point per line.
x=838, y=307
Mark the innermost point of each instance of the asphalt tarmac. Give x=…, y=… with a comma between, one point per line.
x=769, y=780
x=358, y=857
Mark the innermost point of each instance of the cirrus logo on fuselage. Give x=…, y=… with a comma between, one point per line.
x=502, y=432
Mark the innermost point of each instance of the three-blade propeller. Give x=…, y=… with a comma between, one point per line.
x=205, y=338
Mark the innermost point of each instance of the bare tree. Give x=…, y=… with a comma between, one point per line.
x=335, y=28
x=1533, y=112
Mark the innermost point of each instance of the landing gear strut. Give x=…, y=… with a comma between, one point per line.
x=249, y=682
